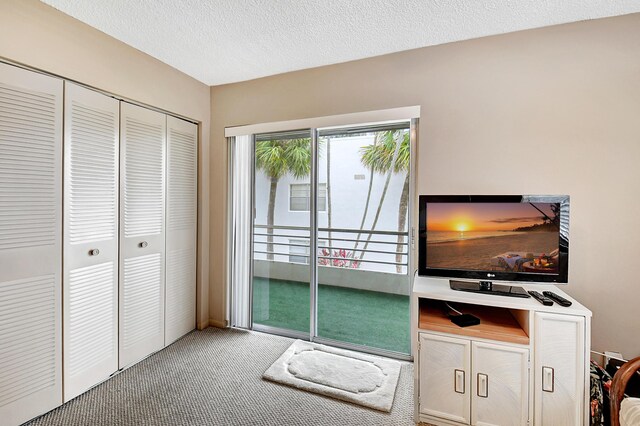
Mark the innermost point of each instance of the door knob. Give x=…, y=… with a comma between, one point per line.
x=143, y=244
x=94, y=252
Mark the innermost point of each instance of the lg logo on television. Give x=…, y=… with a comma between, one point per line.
x=491, y=275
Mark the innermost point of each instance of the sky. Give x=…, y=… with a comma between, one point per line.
x=462, y=217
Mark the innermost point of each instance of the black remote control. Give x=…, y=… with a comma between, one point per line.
x=540, y=298
x=557, y=298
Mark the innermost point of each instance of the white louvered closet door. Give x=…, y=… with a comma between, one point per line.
x=30, y=244
x=90, y=272
x=142, y=232
x=182, y=178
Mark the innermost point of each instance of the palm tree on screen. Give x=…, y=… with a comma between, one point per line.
x=276, y=158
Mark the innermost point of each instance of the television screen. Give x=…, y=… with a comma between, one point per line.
x=520, y=238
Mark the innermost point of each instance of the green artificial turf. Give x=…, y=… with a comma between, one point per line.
x=370, y=318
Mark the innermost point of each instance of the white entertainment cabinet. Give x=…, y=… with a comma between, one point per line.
x=525, y=363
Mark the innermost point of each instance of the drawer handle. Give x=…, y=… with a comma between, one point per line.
x=483, y=385
x=94, y=252
x=548, y=379
x=458, y=381
x=143, y=244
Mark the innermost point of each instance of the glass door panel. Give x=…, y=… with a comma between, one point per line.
x=281, y=232
x=363, y=203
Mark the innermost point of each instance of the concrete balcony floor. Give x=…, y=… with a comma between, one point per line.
x=370, y=318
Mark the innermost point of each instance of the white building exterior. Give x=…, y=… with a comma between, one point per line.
x=349, y=188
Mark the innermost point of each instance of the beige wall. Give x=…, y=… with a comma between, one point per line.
x=554, y=110
x=39, y=36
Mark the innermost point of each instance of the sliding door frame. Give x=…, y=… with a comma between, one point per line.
x=312, y=238
x=312, y=335
x=252, y=228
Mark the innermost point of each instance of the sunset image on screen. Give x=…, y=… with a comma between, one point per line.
x=508, y=237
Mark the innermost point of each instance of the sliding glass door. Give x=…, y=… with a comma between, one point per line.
x=363, y=282
x=281, y=230
x=330, y=233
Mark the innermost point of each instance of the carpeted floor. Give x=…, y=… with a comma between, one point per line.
x=213, y=377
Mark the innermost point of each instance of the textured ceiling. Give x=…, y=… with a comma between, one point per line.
x=224, y=41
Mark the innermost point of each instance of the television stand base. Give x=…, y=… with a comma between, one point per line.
x=487, y=287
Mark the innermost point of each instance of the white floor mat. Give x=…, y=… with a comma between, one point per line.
x=350, y=376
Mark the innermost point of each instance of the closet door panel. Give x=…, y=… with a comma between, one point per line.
x=90, y=290
x=30, y=244
x=142, y=232
x=182, y=140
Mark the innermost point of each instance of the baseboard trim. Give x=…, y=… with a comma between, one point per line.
x=202, y=325
x=217, y=323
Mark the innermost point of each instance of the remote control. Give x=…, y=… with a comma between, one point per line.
x=557, y=298
x=540, y=298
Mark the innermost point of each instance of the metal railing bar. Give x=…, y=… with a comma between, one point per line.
x=299, y=228
x=359, y=241
x=275, y=243
x=403, y=253
x=282, y=235
x=338, y=230
x=364, y=241
x=364, y=261
x=331, y=258
x=332, y=239
x=277, y=253
x=358, y=231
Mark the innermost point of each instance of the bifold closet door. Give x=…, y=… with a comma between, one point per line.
x=142, y=232
x=182, y=139
x=90, y=272
x=30, y=244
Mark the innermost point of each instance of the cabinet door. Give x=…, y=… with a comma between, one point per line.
x=142, y=232
x=30, y=244
x=559, y=369
x=445, y=377
x=90, y=270
x=500, y=385
x=182, y=182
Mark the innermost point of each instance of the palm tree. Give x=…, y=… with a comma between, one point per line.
x=390, y=154
x=366, y=204
x=276, y=158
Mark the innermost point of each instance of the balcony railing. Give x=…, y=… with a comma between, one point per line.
x=370, y=250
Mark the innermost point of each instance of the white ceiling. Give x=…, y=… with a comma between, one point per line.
x=224, y=41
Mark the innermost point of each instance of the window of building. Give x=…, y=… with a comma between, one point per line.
x=299, y=250
x=300, y=197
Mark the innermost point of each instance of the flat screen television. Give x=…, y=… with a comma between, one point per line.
x=520, y=238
